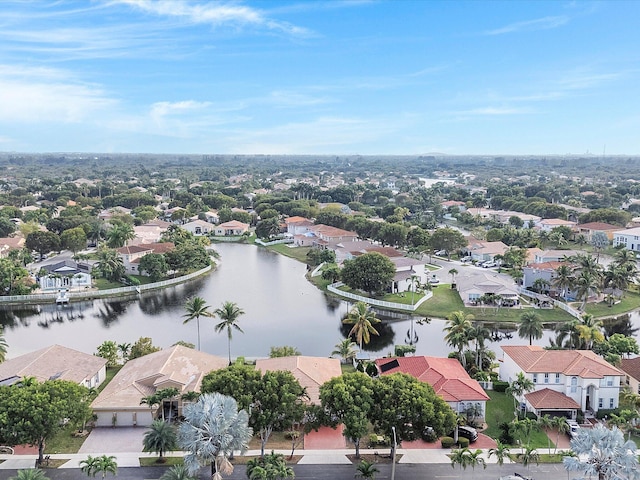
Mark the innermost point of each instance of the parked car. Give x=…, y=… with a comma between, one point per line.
x=574, y=428
x=489, y=264
x=442, y=253
x=515, y=476
x=468, y=432
x=465, y=259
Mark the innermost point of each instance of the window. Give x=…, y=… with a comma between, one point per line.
x=611, y=403
x=609, y=381
x=574, y=384
x=600, y=403
x=546, y=378
x=557, y=378
x=535, y=378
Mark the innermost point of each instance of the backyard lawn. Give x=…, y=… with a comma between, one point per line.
x=629, y=302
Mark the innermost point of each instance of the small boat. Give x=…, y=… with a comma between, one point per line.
x=63, y=298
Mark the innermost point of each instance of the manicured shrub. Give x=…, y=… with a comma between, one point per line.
x=499, y=386
x=447, y=442
x=463, y=442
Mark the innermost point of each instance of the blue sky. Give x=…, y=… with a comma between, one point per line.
x=320, y=77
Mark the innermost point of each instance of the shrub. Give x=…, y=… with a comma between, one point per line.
x=606, y=412
x=447, y=442
x=499, y=386
x=402, y=350
x=463, y=442
x=505, y=433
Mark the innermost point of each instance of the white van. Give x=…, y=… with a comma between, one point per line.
x=574, y=428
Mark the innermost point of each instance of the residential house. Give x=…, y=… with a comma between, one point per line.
x=324, y=236
x=482, y=251
x=10, y=243
x=131, y=254
x=631, y=368
x=199, y=228
x=350, y=250
x=565, y=380
x=406, y=269
x=175, y=367
x=298, y=225
x=588, y=229
x=67, y=275
x=474, y=293
x=447, y=377
x=540, y=271
x=548, y=224
x=554, y=255
x=231, y=228
x=629, y=238
x=311, y=372
x=109, y=213
x=52, y=363
x=448, y=204
x=150, y=232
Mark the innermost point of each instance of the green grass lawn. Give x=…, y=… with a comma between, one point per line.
x=298, y=253
x=111, y=372
x=442, y=303
x=64, y=441
x=628, y=303
x=104, y=284
x=153, y=461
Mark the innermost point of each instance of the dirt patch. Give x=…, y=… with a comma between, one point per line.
x=373, y=458
x=55, y=463
x=277, y=441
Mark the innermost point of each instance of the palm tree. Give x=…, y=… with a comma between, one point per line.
x=528, y=456
x=501, y=452
x=3, y=346
x=586, y=284
x=160, y=437
x=530, y=326
x=545, y=422
x=151, y=401
x=453, y=272
x=458, y=330
x=228, y=313
x=563, y=279
x=561, y=425
x=119, y=234
x=177, y=472
x=590, y=330
x=196, y=307
x=362, y=318
x=479, y=333
x=212, y=429
x=110, y=264
x=519, y=387
x=103, y=464
x=167, y=394
x=30, y=474
x=459, y=457
x=124, y=348
x=366, y=470
x=346, y=349
x=476, y=459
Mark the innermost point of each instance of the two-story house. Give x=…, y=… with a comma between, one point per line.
x=565, y=380
x=131, y=254
x=629, y=238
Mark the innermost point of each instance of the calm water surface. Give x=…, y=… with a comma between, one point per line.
x=281, y=308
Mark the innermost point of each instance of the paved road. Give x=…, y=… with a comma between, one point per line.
x=340, y=472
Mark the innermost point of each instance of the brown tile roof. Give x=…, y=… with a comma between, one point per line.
x=332, y=232
x=546, y=265
x=631, y=366
x=54, y=361
x=550, y=399
x=296, y=220
x=598, y=226
x=579, y=363
x=161, y=247
x=447, y=377
x=178, y=366
x=311, y=372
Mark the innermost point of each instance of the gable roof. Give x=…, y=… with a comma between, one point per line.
x=631, y=366
x=311, y=372
x=178, y=366
x=448, y=378
x=51, y=362
x=550, y=399
x=598, y=226
x=578, y=363
x=233, y=224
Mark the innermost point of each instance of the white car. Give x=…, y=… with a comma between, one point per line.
x=489, y=264
x=515, y=476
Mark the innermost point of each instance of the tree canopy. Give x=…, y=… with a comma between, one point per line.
x=371, y=272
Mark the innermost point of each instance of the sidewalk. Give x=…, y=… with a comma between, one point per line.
x=309, y=457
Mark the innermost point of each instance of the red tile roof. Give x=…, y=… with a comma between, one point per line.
x=447, y=377
x=631, y=366
x=598, y=226
x=579, y=363
x=550, y=399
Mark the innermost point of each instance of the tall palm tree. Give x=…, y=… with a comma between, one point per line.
x=110, y=264
x=459, y=457
x=479, y=333
x=475, y=458
x=528, y=456
x=458, y=330
x=500, y=451
x=151, y=401
x=563, y=279
x=624, y=257
x=590, y=330
x=561, y=426
x=124, y=349
x=212, y=429
x=196, y=307
x=363, y=320
x=3, y=346
x=519, y=387
x=346, y=349
x=586, y=284
x=545, y=422
x=453, y=272
x=119, y=235
x=530, y=326
x=167, y=394
x=160, y=437
x=103, y=464
x=228, y=314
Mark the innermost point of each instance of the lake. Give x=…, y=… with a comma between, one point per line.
x=281, y=308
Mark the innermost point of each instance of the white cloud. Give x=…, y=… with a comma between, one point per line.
x=37, y=94
x=218, y=14
x=545, y=23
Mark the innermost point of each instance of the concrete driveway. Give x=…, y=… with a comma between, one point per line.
x=113, y=440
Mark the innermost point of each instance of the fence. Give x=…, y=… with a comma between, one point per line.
x=335, y=288
x=563, y=306
x=113, y=292
x=273, y=242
